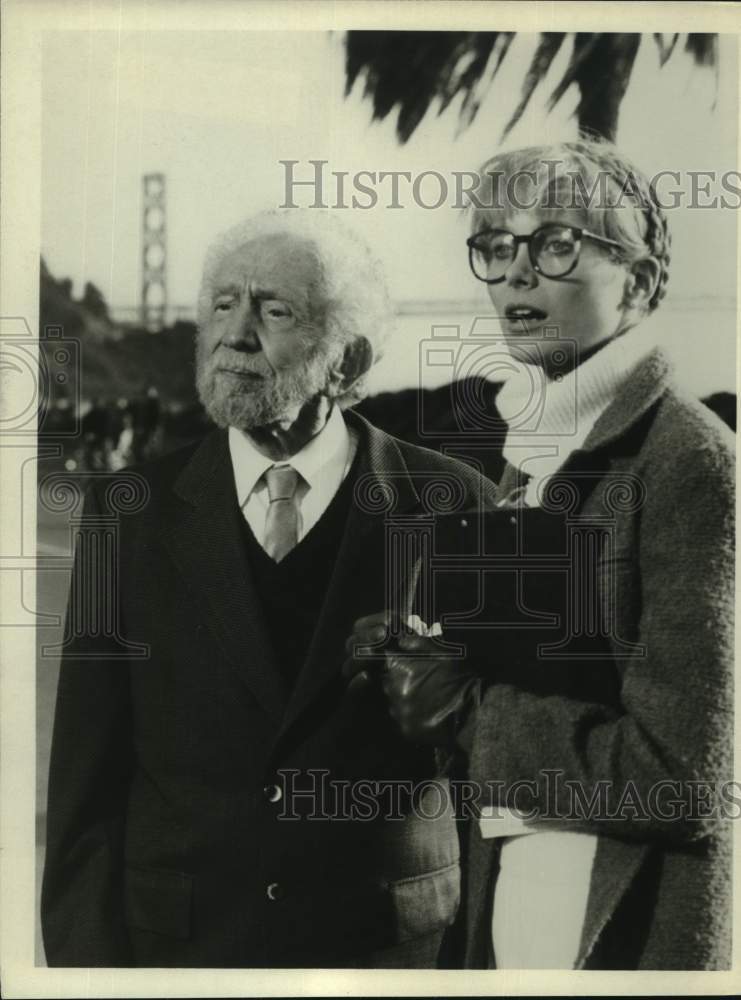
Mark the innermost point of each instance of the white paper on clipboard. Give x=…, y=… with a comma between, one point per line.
x=497, y=821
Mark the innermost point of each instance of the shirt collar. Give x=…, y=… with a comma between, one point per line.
x=330, y=445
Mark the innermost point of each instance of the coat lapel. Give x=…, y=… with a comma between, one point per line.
x=616, y=864
x=204, y=539
x=354, y=588
x=620, y=422
x=646, y=383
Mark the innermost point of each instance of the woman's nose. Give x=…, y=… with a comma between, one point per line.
x=520, y=273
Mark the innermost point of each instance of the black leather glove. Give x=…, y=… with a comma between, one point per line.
x=429, y=693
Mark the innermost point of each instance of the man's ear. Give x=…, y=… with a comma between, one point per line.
x=356, y=360
x=641, y=282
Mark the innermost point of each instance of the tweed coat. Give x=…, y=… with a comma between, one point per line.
x=170, y=839
x=660, y=891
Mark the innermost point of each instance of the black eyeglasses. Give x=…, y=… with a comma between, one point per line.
x=553, y=250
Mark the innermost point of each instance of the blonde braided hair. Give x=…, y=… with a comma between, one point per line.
x=659, y=241
x=657, y=237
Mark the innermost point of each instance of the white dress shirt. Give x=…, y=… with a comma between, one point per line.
x=544, y=878
x=322, y=464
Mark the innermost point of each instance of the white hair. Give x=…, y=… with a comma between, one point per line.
x=353, y=282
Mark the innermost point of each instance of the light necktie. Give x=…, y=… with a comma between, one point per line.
x=281, y=525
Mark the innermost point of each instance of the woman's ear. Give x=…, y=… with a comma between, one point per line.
x=356, y=360
x=641, y=282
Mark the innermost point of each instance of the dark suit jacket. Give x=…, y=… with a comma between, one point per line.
x=659, y=468
x=166, y=845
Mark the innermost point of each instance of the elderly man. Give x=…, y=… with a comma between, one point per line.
x=224, y=801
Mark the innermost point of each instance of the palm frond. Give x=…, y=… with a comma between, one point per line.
x=476, y=93
x=584, y=46
x=466, y=76
x=665, y=49
x=603, y=78
x=548, y=47
x=703, y=48
x=412, y=69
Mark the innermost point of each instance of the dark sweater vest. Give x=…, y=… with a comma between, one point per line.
x=293, y=590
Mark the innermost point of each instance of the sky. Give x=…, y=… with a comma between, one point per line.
x=216, y=112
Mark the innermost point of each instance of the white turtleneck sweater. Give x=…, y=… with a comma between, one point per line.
x=547, y=420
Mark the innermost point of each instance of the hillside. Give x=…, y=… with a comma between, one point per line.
x=116, y=361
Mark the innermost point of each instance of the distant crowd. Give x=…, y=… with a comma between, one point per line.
x=123, y=434
x=114, y=433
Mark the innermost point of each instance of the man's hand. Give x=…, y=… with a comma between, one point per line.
x=429, y=693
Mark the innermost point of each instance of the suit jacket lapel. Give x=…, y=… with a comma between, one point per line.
x=354, y=590
x=511, y=479
x=204, y=540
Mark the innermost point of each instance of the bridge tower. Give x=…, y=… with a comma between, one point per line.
x=154, y=252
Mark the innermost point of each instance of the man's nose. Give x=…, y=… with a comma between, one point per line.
x=520, y=273
x=242, y=333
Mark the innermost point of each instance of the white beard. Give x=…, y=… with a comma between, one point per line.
x=246, y=405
